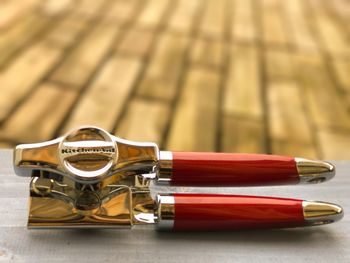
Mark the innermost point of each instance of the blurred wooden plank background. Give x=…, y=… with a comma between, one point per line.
x=207, y=75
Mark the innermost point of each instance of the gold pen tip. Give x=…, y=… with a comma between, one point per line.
x=313, y=171
x=320, y=213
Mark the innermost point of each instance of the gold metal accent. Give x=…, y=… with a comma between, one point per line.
x=92, y=179
x=320, y=213
x=165, y=213
x=165, y=167
x=89, y=178
x=87, y=154
x=311, y=171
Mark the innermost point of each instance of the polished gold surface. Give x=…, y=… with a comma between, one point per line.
x=88, y=154
x=119, y=201
x=165, y=211
x=320, y=213
x=165, y=167
x=314, y=171
x=57, y=201
x=89, y=178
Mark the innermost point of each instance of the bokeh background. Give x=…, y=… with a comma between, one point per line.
x=265, y=76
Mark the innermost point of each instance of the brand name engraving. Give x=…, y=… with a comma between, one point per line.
x=103, y=150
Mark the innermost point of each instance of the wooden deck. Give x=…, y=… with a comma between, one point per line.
x=216, y=75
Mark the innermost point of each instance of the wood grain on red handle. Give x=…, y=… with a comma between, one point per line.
x=229, y=169
x=198, y=212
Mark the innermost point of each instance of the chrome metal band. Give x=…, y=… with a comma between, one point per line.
x=311, y=172
x=165, y=213
x=165, y=167
x=321, y=213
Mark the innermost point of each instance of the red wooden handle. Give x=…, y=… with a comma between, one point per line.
x=229, y=169
x=198, y=212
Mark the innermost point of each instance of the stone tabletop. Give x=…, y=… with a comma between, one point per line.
x=329, y=243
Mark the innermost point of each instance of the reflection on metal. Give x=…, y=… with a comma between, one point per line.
x=92, y=179
x=165, y=212
x=89, y=178
x=165, y=167
x=312, y=171
x=320, y=213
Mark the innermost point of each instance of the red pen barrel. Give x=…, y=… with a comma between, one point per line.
x=210, y=212
x=229, y=169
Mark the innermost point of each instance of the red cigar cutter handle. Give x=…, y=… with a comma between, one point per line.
x=198, y=212
x=229, y=169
